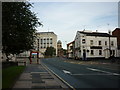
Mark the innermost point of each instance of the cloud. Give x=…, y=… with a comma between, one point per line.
x=66, y=18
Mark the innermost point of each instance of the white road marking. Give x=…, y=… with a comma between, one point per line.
x=103, y=71
x=89, y=74
x=67, y=72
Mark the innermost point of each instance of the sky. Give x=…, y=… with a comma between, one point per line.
x=66, y=18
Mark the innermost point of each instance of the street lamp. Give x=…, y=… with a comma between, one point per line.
x=109, y=44
x=38, y=44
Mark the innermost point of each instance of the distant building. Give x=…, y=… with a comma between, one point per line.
x=59, y=48
x=44, y=40
x=90, y=44
x=71, y=49
x=116, y=33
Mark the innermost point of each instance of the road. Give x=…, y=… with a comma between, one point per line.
x=83, y=76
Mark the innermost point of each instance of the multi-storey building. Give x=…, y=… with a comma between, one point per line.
x=71, y=49
x=94, y=45
x=44, y=40
x=116, y=33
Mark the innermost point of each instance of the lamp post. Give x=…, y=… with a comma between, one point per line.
x=38, y=51
x=109, y=45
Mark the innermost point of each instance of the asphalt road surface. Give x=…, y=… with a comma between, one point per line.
x=83, y=76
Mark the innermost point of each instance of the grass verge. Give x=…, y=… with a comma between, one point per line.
x=10, y=74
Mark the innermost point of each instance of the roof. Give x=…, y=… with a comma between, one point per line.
x=45, y=33
x=117, y=29
x=59, y=42
x=71, y=42
x=96, y=34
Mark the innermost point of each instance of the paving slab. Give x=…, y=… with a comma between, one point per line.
x=38, y=77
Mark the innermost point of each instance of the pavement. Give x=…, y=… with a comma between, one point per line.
x=38, y=77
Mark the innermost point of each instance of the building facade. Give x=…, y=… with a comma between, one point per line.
x=44, y=40
x=116, y=33
x=90, y=44
x=71, y=49
x=59, y=49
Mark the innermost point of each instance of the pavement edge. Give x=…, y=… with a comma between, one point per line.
x=65, y=82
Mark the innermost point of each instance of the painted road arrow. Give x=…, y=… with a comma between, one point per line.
x=67, y=72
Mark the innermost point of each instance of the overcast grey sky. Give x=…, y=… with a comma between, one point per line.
x=66, y=18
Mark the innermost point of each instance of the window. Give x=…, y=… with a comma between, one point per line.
x=91, y=42
x=83, y=41
x=92, y=52
x=99, y=42
x=50, y=45
x=47, y=40
x=112, y=43
x=105, y=42
x=71, y=47
x=60, y=45
x=100, y=52
x=44, y=40
x=41, y=40
x=50, y=40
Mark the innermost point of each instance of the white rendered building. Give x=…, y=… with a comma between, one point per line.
x=94, y=45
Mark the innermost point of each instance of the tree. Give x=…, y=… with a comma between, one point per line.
x=18, y=27
x=50, y=51
x=64, y=51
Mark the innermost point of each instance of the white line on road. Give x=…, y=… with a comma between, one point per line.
x=67, y=72
x=106, y=73
x=103, y=71
x=87, y=74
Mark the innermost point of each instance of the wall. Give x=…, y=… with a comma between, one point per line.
x=45, y=36
x=86, y=46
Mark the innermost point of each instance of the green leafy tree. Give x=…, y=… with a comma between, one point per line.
x=50, y=51
x=64, y=51
x=18, y=27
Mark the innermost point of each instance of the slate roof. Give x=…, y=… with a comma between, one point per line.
x=96, y=34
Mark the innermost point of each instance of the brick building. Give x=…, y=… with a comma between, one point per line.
x=116, y=33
